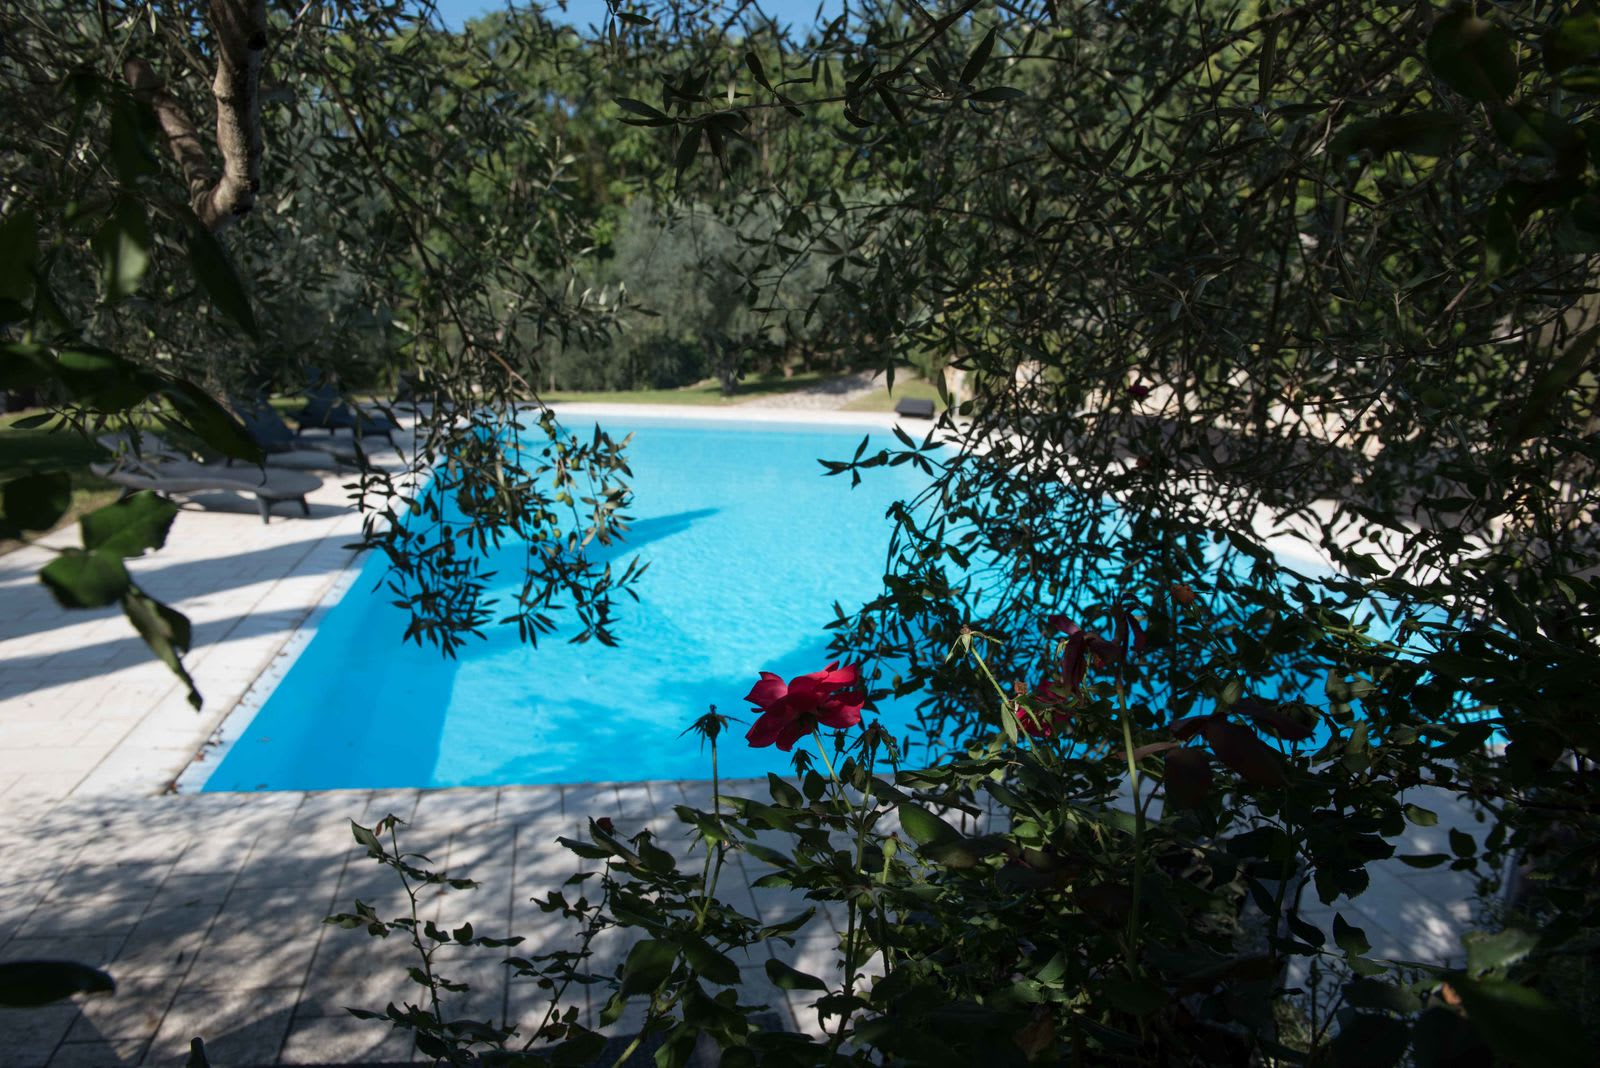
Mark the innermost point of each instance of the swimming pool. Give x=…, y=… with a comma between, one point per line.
x=750, y=546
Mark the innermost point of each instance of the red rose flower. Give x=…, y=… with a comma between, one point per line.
x=1041, y=718
x=790, y=712
x=1074, y=665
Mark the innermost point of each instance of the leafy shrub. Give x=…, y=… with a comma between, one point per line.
x=1046, y=894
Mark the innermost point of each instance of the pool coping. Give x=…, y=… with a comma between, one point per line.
x=236, y=720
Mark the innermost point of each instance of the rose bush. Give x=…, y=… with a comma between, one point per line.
x=1100, y=892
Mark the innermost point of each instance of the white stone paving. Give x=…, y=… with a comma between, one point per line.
x=207, y=908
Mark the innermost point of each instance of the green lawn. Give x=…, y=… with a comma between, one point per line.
x=708, y=392
x=904, y=386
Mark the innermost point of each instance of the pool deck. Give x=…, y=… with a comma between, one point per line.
x=207, y=908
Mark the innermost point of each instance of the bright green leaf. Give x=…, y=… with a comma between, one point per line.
x=86, y=579
x=924, y=827
x=130, y=526
x=1420, y=817
x=1487, y=951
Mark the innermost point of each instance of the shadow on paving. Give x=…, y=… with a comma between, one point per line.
x=176, y=580
x=208, y=911
x=20, y=675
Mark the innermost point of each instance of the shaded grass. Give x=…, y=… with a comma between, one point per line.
x=708, y=392
x=904, y=386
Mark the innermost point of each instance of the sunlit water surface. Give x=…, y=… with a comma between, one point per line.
x=749, y=547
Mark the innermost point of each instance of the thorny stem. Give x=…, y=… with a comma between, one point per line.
x=822, y=750
x=416, y=925
x=850, y=925
x=850, y=904
x=558, y=993
x=1138, y=823
x=714, y=850
x=984, y=667
x=708, y=882
x=652, y=1013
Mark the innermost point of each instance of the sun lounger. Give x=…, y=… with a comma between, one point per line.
x=414, y=389
x=914, y=408
x=284, y=448
x=155, y=469
x=326, y=410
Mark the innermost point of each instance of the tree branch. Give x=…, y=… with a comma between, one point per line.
x=240, y=31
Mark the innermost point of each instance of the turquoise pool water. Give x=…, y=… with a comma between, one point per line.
x=749, y=546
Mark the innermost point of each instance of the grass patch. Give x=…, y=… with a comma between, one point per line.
x=904, y=386
x=708, y=392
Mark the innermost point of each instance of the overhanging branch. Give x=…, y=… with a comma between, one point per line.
x=239, y=29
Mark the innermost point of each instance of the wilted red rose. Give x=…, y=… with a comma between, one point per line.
x=1130, y=634
x=790, y=712
x=605, y=824
x=1182, y=594
x=1280, y=719
x=1038, y=717
x=1236, y=746
x=1128, y=637
x=1139, y=391
x=1073, y=663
